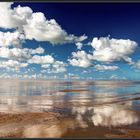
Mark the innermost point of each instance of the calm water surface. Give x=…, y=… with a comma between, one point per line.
x=86, y=108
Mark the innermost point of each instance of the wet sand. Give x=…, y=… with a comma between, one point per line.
x=15, y=125
x=53, y=125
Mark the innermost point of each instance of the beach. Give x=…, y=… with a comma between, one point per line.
x=60, y=109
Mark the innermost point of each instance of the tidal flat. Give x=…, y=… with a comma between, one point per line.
x=69, y=109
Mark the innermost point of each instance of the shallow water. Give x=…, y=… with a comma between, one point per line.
x=86, y=108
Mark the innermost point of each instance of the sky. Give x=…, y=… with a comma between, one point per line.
x=93, y=41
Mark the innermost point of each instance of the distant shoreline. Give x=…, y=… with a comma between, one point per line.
x=72, y=80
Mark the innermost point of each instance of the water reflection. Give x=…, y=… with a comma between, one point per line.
x=115, y=115
x=81, y=105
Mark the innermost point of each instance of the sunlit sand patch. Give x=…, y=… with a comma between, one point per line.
x=56, y=130
x=12, y=124
x=42, y=131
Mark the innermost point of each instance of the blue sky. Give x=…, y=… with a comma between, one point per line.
x=70, y=40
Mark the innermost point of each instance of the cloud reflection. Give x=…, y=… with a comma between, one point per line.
x=106, y=113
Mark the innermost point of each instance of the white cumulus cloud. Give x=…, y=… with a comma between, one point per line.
x=11, y=39
x=19, y=53
x=104, y=50
x=13, y=18
x=12, y=64
x=38, y=50
x=109, y=50
x=105, y=67
x=137, y=64
x=80, y=59
x=47, y=59
x=55, y=67
x=79, y=45
x=34, y=25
